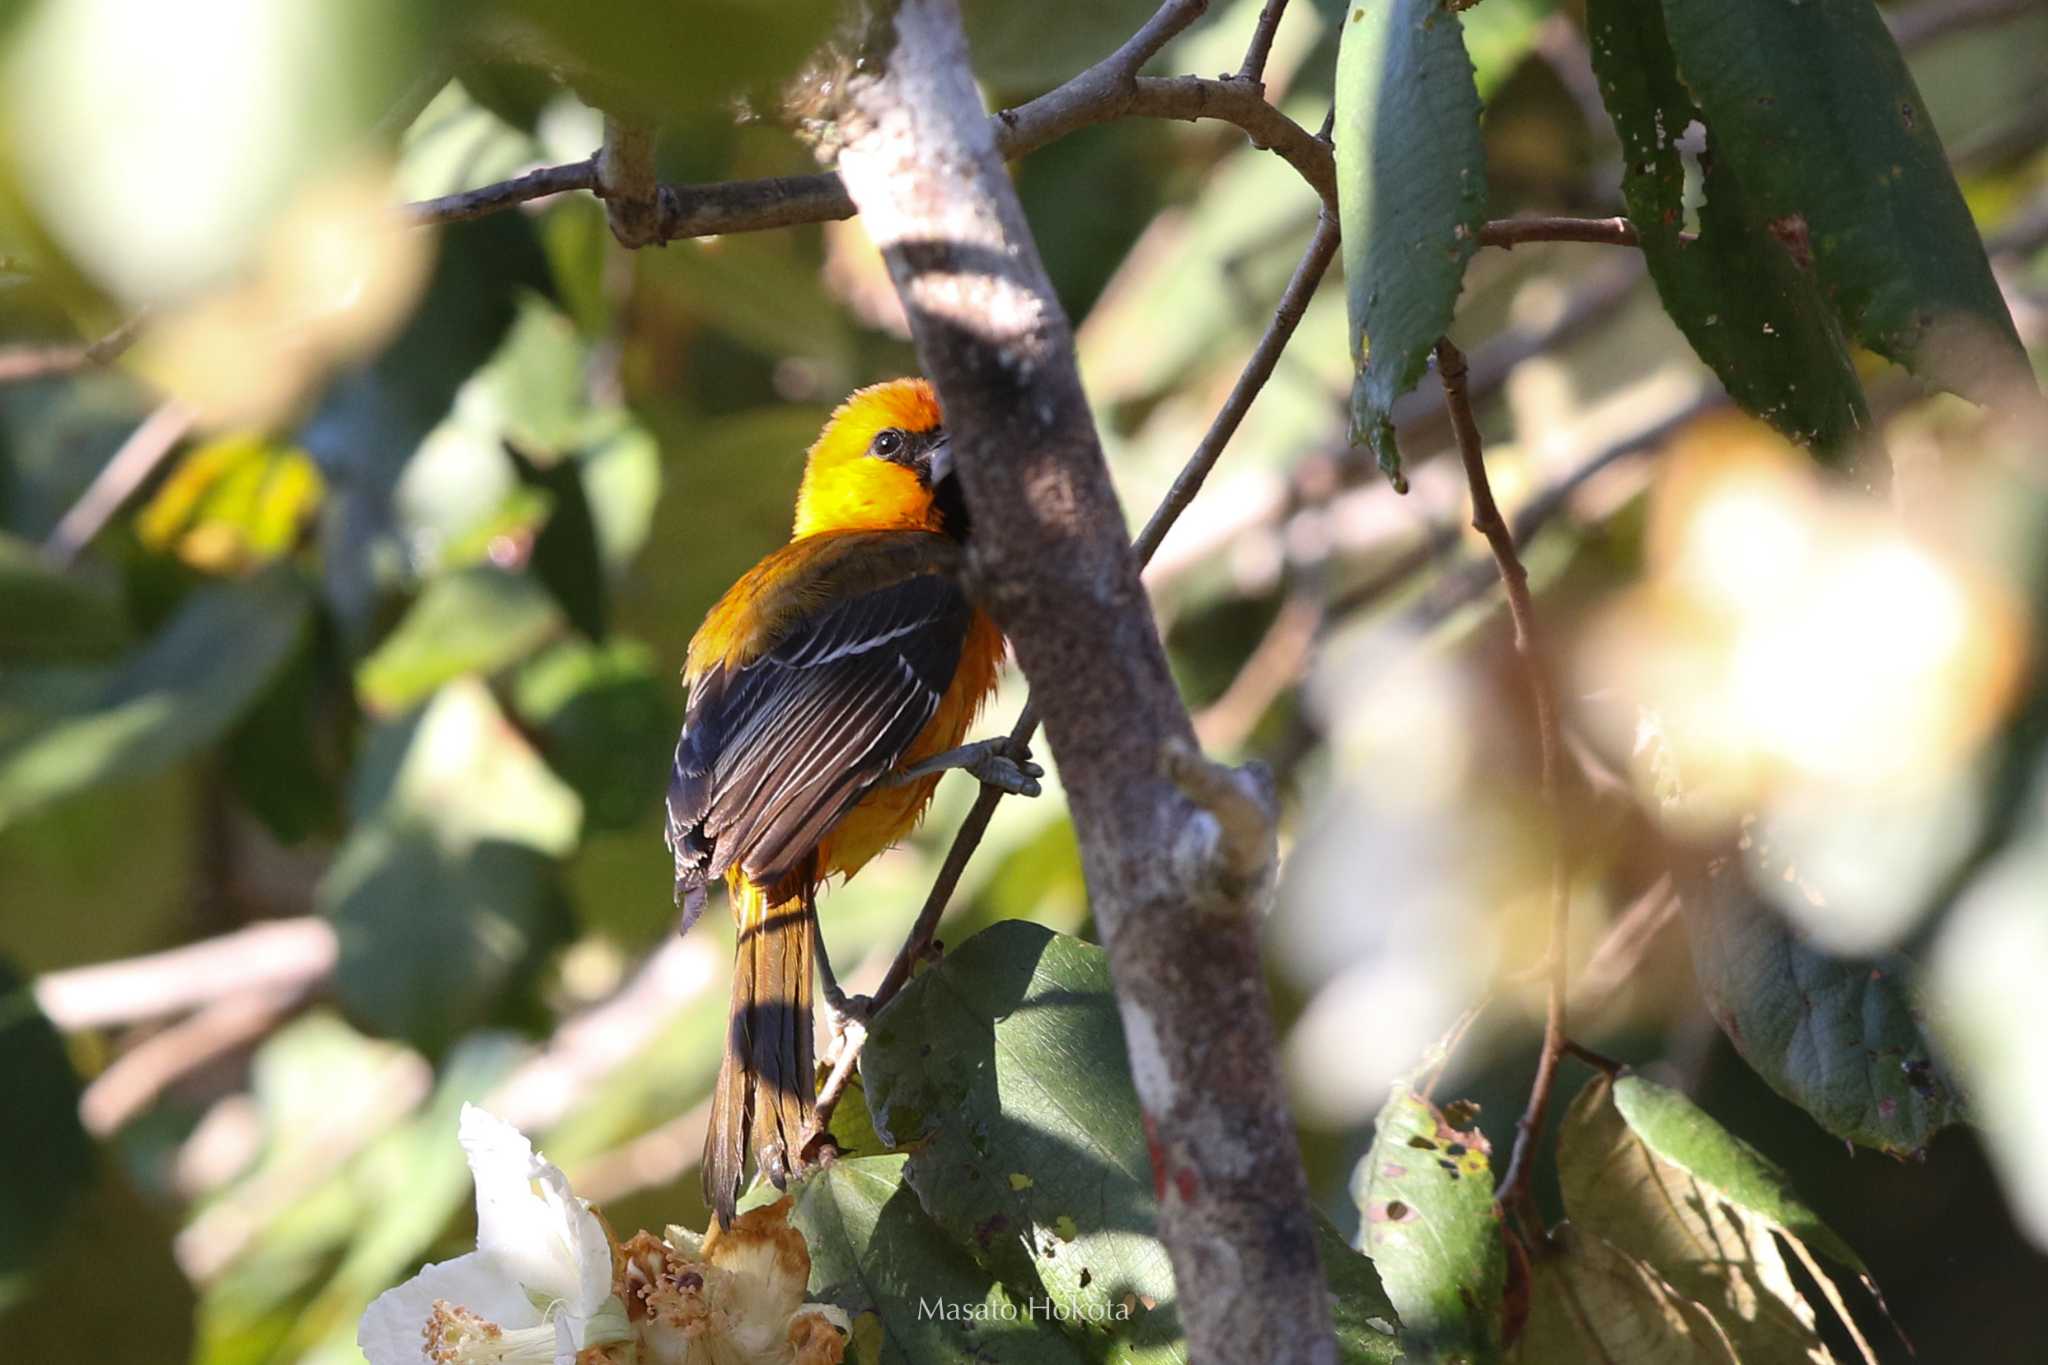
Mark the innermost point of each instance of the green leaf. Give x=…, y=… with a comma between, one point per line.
x=1047, y=1181
x=1020, y=48
x=910, y=1291
x=445, y=891
x=603, y=720
x=1751, y=313
x=1425, y=1200
x=1839, y=1037
x=53, y=616
x=1814, y=107
x=1681, y=1133
x=177, y=694
x=1710, y=1244
x=1411, y=188
x=475, y=620
x=46, y=1159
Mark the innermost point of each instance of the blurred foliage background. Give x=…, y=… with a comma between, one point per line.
x=341, y=612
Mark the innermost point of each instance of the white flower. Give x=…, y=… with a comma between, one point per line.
x=537, y=1289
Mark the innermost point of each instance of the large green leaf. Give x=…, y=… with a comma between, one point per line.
x=1813, y=105
x=46, y=1160
x=1004, y=1071
x=1411, y=187
x=1840, y=1037
x=913, y=1294
x=1427, y=1218
x=445, y=891
x=474, y=620
x=1748, y=308
x=174, y=696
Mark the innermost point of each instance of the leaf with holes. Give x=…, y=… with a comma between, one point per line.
x=1813, y=106
x=1750, y=310
x=1425, y=1197
x=1411, y=192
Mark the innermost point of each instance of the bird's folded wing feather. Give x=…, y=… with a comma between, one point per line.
x=775, y=751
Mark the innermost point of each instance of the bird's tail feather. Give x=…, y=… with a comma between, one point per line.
x=767, y=1081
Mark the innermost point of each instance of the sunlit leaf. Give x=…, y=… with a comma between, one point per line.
x=914, y=1295
x=233, y=502
x=471, y=621
x=1589, y=1302
x=1427, y=1219
x=1775, y=342
x=604, y=722
x=1814, y=108
x=445, y=890
x=1411, y=184
x=178, y=693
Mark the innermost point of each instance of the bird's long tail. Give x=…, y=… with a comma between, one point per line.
x=767, y=1081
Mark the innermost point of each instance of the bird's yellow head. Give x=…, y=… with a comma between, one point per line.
x=882, y=463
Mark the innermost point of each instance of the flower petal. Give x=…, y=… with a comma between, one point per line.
x=529, y=1222
x=393, y=1326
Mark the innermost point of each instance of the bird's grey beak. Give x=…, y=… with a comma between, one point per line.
x=939, y=463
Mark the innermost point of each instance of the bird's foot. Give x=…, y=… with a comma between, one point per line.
x=1005, y=763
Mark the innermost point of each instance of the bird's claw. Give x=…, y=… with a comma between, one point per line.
x=1007, y=766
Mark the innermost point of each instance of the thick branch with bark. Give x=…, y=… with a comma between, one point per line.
x=1050, y=560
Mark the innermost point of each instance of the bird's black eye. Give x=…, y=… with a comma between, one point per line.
x=888, y=445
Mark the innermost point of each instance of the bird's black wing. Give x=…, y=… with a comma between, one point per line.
x=773, y=753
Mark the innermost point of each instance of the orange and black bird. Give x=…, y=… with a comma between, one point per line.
x=829, y=688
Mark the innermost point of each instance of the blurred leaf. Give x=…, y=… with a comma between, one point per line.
x=475, y=620
x=1427, y=1219
x=1026, y=49
x=565, y=554
x=373, y=419
x=537, y=382
x=1591, y=1302
x=177, y=694
x=54, y=615
x=235, y=502
x=130, y=1308
x=1839, y=1037
x=1815, y=110
x=46, y=1159
x=876, y=1254
x=1500, y=35
x=662, y=60
x=283, y=756
x=603, y=722
x=972, y=1067
x=1647, y=1173
x=1411, y=184
x=445, y=890
x=1773, y=340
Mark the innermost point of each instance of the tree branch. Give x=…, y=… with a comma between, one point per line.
x=1051, y=561
x=18, y=363
x=1287, y=315
x=1254, y=68
x=1513, y=232
x=1487, y=520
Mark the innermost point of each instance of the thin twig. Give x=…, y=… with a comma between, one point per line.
x=1287, y=315
x=1509, y=233
x=1614, y=963
x=1487, y=520
x=1254, y=68
x=131, y=466
x=18, y=363
x=505, y=194
x=277, y=955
